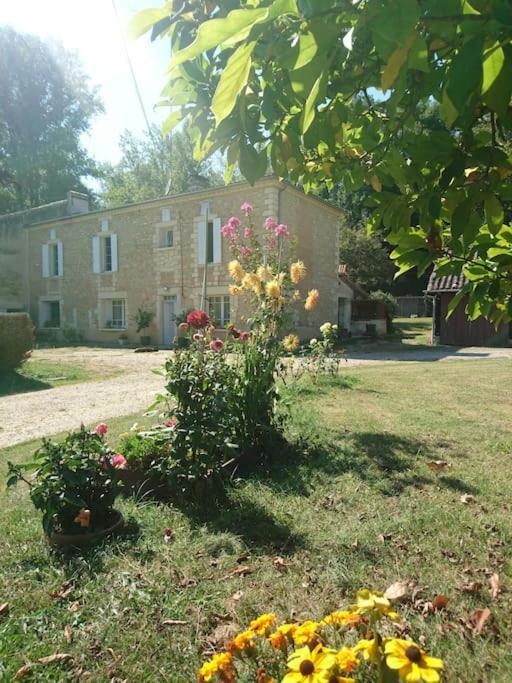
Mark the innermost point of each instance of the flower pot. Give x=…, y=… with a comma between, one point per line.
x=141, y=483
x=57, y=540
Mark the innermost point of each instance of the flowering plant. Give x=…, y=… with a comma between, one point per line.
x=74, y=482
x=344, y=647
x=320, y=358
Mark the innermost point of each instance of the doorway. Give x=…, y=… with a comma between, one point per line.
x=168, y=320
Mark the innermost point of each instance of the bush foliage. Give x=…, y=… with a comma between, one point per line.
x=16, y=338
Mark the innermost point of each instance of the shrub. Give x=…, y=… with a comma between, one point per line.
x=74, y=482
x=148, y=451
x=390, y=303
x=16, y=339
x=72, y=335
x=143, y=318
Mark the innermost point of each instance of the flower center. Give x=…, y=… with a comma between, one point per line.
x=306, y=667
x=413, y=654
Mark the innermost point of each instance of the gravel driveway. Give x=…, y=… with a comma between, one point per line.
x=41, y=413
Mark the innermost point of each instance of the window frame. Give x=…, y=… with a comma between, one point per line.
x=224, y=301
x=109, y=321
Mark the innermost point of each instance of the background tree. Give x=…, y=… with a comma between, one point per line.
x=292, y=80
x=368, y=262
x=46, y=104
x=151, y=166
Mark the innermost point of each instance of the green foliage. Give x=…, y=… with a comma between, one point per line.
x=16, y=339
x=71, y=335
x=390, y=303
x=69, y=476
x=147, y=451
x=297, y=82
x=152, y=166
x=366, y=258
x=143, y=318
x=46, y=106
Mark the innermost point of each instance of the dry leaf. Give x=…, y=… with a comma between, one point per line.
x=21, y=673
x=174, y=622
x=238, y=571
x=4, y=609
x=467, y=498
x=479, y=619
x=237, y=596
x=52, y=659
x=397, y=590
x=64, y=591
x=495, y=584
x=280, y=564
x=439, y=602
x=438, y=465
x=472, y=587
x=74, y=606
x=68, y=633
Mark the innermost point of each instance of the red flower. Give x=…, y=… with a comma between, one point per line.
x=101, y=429
x=118, y=461
x=198, y=319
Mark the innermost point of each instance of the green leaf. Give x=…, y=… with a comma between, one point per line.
x=454, y=302
x=232, y=81
x=309, y=113
x=145, y=19
x=460, y=218
x=395, y=63
x=494, y=214
x=497, y=78
x=308, y=47
x=253, y=164
x=171, y=122
x=465, y=73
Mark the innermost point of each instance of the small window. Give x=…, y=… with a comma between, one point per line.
x=169, y=238
x=54, y=260
x=219, y=309
x=107, y=254
x=209, y=242
x=166, y=215
x=114, y=312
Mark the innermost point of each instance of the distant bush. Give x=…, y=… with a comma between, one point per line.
x=71, y=335
x=390, y=303
x=16, y=338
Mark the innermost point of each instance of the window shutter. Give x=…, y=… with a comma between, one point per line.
x=113, y=244
x=45, y=260
x=96, y=260
x=217, y=241
x=202, y=241
x=60, y=259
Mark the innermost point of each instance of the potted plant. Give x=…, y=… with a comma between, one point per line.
x=74, y=484
x=143, y=319
x=182, y=338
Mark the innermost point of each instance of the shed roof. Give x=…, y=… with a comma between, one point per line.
x=445, y=283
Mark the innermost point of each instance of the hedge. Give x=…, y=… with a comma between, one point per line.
x=16, y=337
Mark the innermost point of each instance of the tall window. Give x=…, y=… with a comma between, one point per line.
x=107, y=254
x=169, y=238
x=114, y=314
x=219, y=309
x=209, y=242
x=54, y=260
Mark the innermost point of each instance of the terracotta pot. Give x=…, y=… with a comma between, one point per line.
x=80, y=540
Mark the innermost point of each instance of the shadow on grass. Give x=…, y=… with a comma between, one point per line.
x=15, y=383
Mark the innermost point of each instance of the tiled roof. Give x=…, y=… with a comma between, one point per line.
x=445, y=283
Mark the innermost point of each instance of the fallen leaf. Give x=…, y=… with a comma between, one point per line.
x=21, y=673
x=479, y=619
x=472, y=587
x=74, y=606
x=397, y=590
x=280, y=564
x=438, y=465
x=52, y=659
x=467, y=498
x=68, y=633
x=384, y=537
x=237, y=596
x=439, y=602
x=4, y=609
x=63, y=592
x=238, y=571
x=495, y=584
x=174, y=622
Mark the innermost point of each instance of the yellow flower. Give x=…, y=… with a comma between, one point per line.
x=312, y=299
x=281, y=637
x=291, y=343
x=411, y=662
x=342, y=618
x=374, y=603
x=273, y=289
x=346, y=659
x=263, y=272
x=305, y=632
x=369, y=650
x=252, y=281
x=235, y=290
x=297, y=271
x=263, y=624
x=296, y=295
x=235, y=270
x=242, y=641
x=220, y=663
x=310, y=666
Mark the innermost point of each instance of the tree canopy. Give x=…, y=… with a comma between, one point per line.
x=46, y=104
x=332, y=90
x=151, y=166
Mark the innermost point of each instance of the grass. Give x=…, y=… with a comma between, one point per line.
x=352, y=504
x=36, y=375
x=408, y=334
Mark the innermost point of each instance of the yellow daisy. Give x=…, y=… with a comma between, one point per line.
x=312, y=299
x=282, y=636
x=412, y=663
x=220, y=663
x=291, y=343
x=242, y=642
x=252, y=281
x=346, y=659
x=342, y=618
x=297, y=271
x=374, y=603
x=235, y=270
x=310, y=666
x=235, y=290
x=263, y=624
x=273, y=289
x=305, y=632
x=369, y=650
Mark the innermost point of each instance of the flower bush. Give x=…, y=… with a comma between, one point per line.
x=344, y=647
x=74, y=482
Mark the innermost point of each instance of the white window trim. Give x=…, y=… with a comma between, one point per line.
x=107, y=299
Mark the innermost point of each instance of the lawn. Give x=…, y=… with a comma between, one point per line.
x=352, y=504
x=408, y=334
x=35, y=375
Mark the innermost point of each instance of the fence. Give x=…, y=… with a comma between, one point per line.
x=414, y=305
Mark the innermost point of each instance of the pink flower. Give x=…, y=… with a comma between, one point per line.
x=247, y=208
x=101, y=429
x=245, y=336
x=197, y=337
x=247, y=233
x=270, y=223
x=198, y=319
x=272, y=244
x=245, y=251
x=281, y=230
x=227, y=230
x=235, y=222
x=168, y=535
x=119, y=462
x=183, y=326
x=172, y=422
x=217, y=345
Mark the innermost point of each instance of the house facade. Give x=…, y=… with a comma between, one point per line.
x=91, y=271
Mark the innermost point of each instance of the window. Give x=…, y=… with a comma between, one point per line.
x=107, y=254
x=54, y=260
x=166, y=215
x=49, y=314
x=114, y=314
x=209, y=242
x=219, y=309
x=168, y=239
x=104, y=253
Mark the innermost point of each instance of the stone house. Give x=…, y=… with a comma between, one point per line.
x=92, y=270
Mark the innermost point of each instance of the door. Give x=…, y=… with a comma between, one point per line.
x=169, y=320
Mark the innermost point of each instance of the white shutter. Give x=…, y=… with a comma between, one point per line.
x=202, y=241
x=217, y=241
x=45, y=260
x=96, y=256
x=60, y=259
x=113, y=246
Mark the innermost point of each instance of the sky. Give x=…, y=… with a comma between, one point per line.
x=92, y=30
